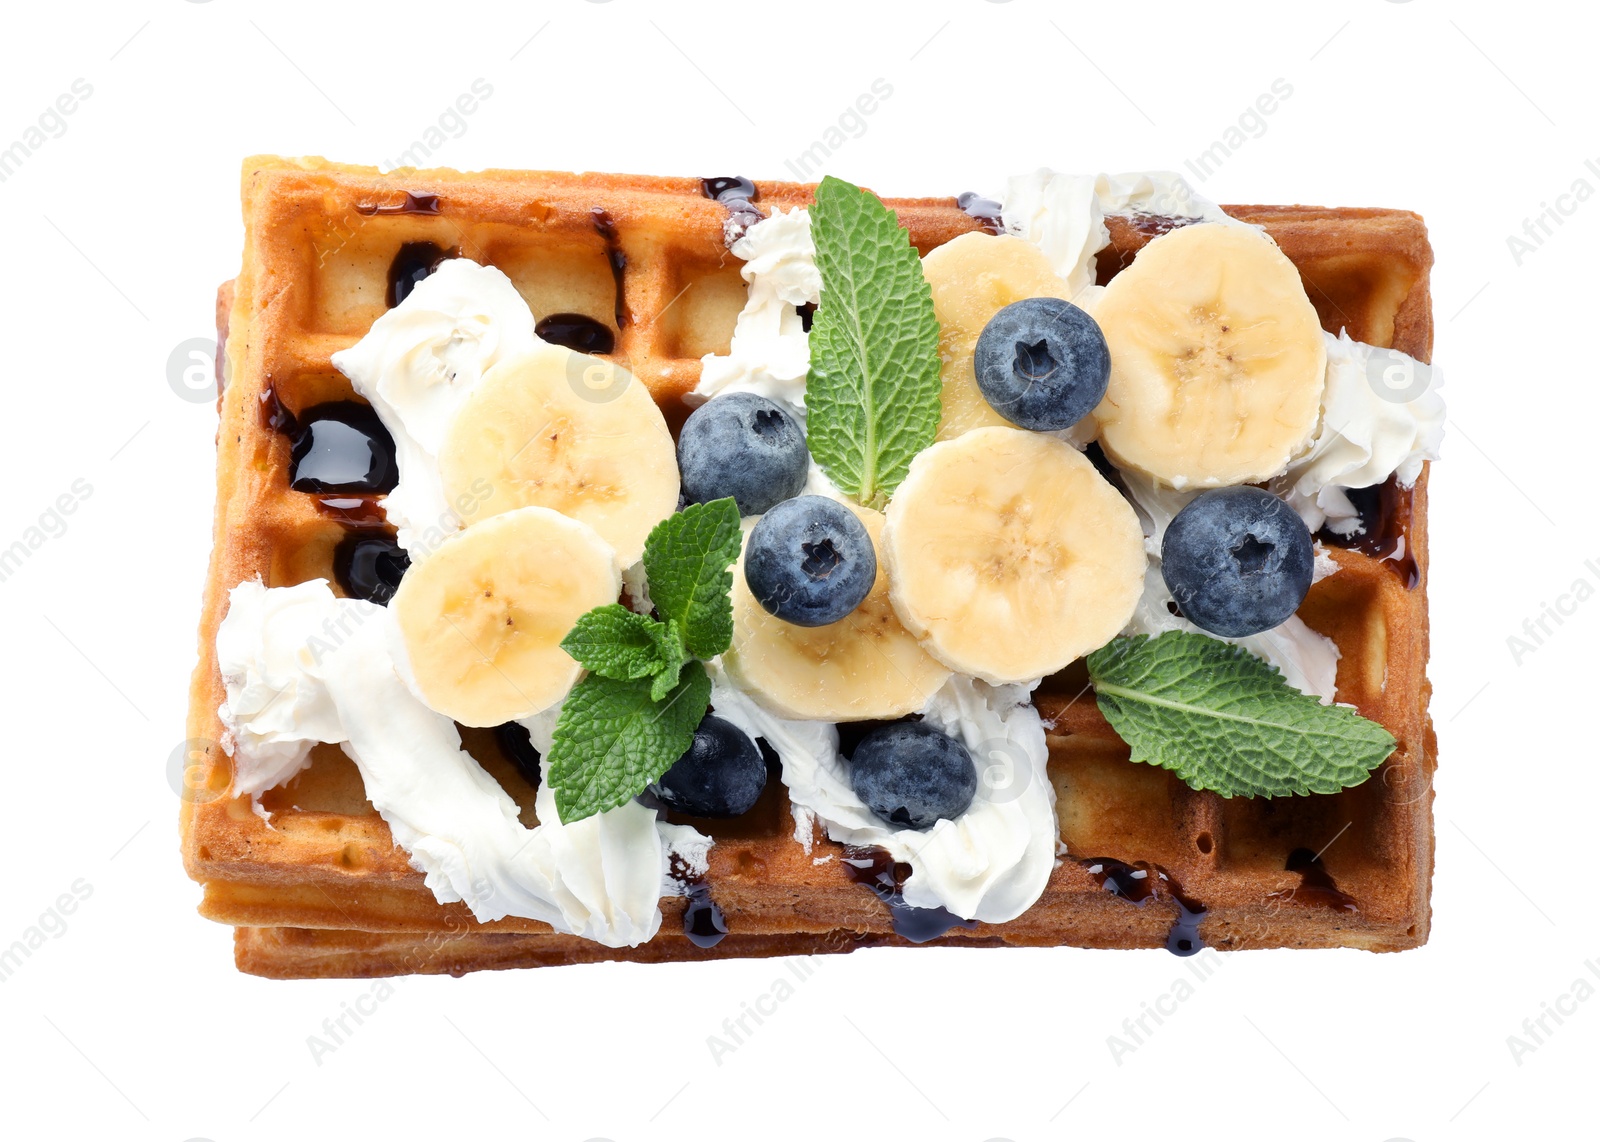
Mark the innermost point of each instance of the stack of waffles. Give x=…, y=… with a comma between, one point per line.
x=310, y=878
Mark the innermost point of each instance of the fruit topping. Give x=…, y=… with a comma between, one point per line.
x=722, y=775
x=745, y=446
x=1238, y=561
x=810, y=561
x=1042, y=363
x=912, y=775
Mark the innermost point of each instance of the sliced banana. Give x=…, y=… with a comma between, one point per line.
x=865, y=666
x=973, y=277
x=1217, y=359
x=481, y=619
x=567, y=431
x=1010, y=556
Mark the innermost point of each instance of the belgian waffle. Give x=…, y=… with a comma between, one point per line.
x=315, y=885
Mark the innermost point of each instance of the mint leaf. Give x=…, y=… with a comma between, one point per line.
x=614, y=641
x=613, y=739
x=872, y=396
x=686, y=559
x=669, y=645
x=1224, y=720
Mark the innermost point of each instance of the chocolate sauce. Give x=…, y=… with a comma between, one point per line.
x=877, y=870
x=807, y=312
x=1155, y=225
x=1141, y=881
x=359, y=512
x=370, y=567
x=985, y=210
x=412, y=263
x=1316, y=886
x=516, y=743
x=274, y=416
x=1385, y=511
x=410, y=204
x=703, y=921
x=607, y=229
x=576, y=332
x=342, y=447
x=738, y=195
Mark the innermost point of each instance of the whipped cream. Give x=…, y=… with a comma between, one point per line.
x=1308, y=661
x=991, y=863
x=418, y=364
x=1064, y=214
x=770, y=353
x=330, y=661
x=1382, y=416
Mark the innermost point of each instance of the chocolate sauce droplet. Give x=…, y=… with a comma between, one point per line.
x=410, y=204
x=517, y=744
x=1316, y=886
x=877, y=870
x=1384, y=531
x=738, y=195
x=577, y=332
x=1141, y=881
x=370, y=567
x=703, y=920
x=607, y=229
x=985, y=210
x=342, y=447
x=412, y=264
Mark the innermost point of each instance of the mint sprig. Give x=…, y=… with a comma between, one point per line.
x=872, y=395
x=1224, y=720
x=636, y=711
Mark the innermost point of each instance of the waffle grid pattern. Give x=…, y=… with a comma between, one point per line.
x=320, y=889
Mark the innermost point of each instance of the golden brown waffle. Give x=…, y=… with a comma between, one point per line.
x=319, y=889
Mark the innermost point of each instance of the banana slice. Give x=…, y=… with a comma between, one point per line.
x=864, y=666
x=1010, y=556
x=568, y=431
x=1217, y=359
x=973, y=277
x=482, y=618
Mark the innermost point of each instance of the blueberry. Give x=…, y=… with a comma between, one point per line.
x=1237, y=560
x=912, y=775
x=1042, y=363
x=745, y=446
x=722, y=775
x=810, y=561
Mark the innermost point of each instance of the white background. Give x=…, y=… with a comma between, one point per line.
x=132, y=1023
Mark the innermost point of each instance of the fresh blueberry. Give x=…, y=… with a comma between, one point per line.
x=1042, y=363
x=722, y=775
x=912, y=775
x=745, y=446
x=1238, y=561
x=810, y=561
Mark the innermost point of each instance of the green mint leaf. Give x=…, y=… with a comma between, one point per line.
x=614, y=642
x=872, y=396
x=1224, y=720
x=686, y=559
x=613, y=739
x=669, y=643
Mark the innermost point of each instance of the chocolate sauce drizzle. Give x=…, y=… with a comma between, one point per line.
x=703, y=921
x=607, y=229
x=517, y=745
x=1141, y=881
x=1385, y=531
x=370, y=567
x=876, y=869
x=1316, y=886
x=342, y=447
x=985, y=210
x=738, y=195
x=411, y=204
x=412, y=263
x=577, y=332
